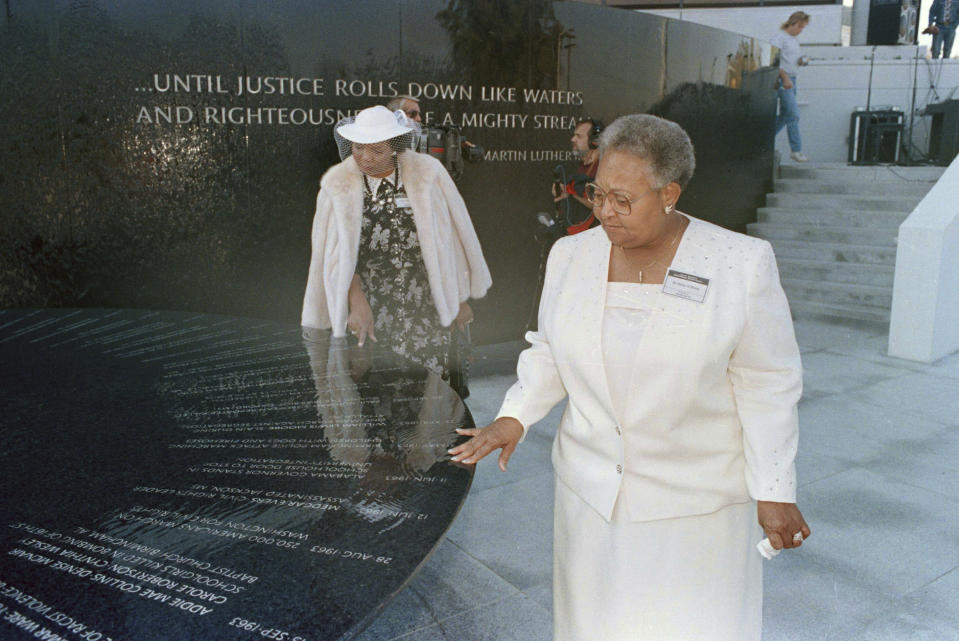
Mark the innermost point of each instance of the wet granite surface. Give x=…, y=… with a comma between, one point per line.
x=192, y=476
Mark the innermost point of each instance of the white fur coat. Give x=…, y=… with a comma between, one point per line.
x=451, y=251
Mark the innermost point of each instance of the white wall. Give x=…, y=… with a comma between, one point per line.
x=925, y=301
x=924, y=324
x=824, y=26
x=831, y=24
x=840, y=79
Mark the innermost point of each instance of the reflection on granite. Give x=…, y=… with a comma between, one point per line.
x=189, y=476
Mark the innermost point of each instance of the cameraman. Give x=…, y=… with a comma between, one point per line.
x=408, y=105
x=443, y=142
x=574, y=213
x=578, y=211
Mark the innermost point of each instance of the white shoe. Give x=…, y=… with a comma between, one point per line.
x=798, y=156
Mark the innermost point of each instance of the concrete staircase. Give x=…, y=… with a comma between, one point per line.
x=833, y=227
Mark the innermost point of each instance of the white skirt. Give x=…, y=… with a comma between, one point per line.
x=694, y=578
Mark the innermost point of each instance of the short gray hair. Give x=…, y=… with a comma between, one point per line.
x=397, y=103
x=660, y=142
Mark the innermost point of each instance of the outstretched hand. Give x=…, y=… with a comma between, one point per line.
x=503, y=433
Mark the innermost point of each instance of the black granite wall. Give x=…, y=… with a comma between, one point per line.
x=166, y=155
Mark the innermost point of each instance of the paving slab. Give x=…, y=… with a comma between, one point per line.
x=927, y=395
x=858, y=432
x=510, y=530
x=878, y=532
x=928, y=614
x=826, y=373
x=450, y=583
x=805, y=601
x=516, y=618
x=814, y=334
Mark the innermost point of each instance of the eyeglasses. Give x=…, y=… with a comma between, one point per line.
x=413, y=113
x=620, y=202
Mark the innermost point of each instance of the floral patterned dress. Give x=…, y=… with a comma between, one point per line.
x=391, y=270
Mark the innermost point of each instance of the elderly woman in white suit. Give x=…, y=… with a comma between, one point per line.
x=673, y=341
x=395, y=256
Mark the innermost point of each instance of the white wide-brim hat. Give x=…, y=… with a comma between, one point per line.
x=374, y=124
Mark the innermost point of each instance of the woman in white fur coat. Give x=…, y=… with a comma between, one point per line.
x=395, y=255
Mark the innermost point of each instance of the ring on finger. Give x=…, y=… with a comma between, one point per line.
x=798, y=537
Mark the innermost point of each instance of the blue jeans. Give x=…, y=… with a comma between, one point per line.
x=789, y=115
x=943, y=40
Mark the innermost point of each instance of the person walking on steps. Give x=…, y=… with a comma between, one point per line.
x=787, y=41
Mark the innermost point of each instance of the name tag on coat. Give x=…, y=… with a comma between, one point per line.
x=685, y=286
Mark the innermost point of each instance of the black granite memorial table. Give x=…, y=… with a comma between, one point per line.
x=168, y=475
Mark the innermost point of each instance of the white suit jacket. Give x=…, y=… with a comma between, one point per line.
x=451, y=251
x=713, y=419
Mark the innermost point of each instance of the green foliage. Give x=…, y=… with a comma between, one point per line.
x=503, y=42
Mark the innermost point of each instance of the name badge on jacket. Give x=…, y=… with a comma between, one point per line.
x=685, y=286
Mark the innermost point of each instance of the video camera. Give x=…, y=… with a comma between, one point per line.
x=448, y=145
x=554, y=225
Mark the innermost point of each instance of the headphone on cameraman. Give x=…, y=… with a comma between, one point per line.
x=595, y=129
